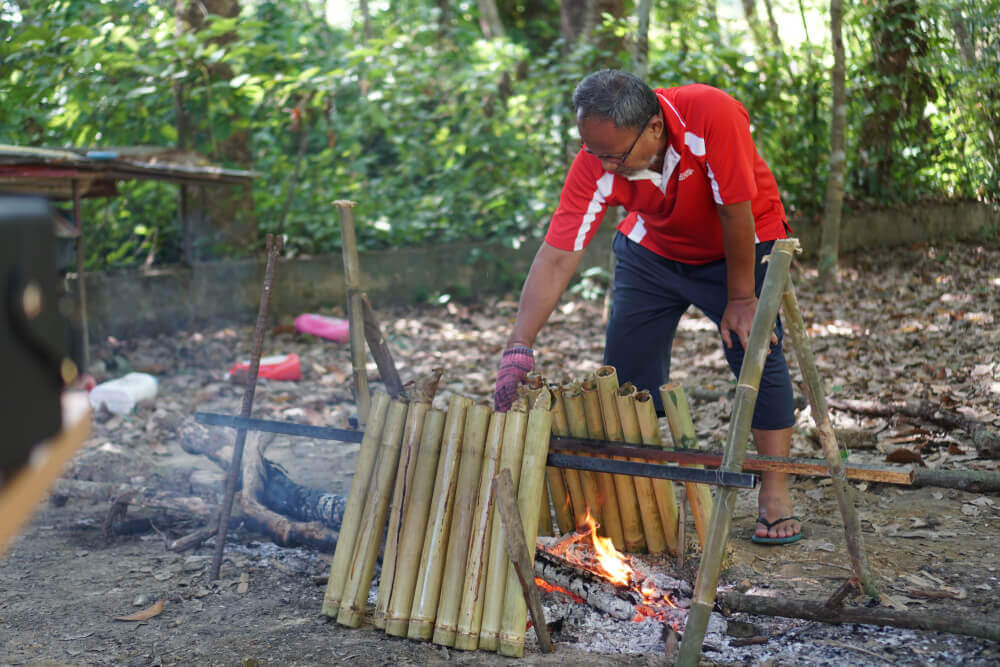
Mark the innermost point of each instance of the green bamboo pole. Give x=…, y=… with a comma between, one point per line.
x=359, y=574
x=675, y=405
x=536, y=450
x=470, y=613
x=533, y=384
x=511, y=452
x=611, y=523
x=473, y=447
x=735, y=449
x=421, y=396
x=628, y=505
x=583, y=490
x=432, y=556
x=556, y=481
x=414, y=525
x=652, y=527
x=347, y=539
x=663, y=489
x=817, y=400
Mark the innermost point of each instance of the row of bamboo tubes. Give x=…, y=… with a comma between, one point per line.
x=428, y=473
x=636, y=513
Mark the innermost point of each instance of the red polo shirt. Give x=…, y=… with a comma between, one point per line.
x=710, y=160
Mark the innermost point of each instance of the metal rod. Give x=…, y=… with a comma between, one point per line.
x=235, y=468
x=638, y=469
x=283, y=428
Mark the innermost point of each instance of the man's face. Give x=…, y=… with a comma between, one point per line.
x=622, y=150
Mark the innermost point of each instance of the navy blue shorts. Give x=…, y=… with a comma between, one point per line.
x=650, y=295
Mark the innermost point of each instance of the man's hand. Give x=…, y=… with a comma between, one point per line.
x=737, y=319
x=515, y=363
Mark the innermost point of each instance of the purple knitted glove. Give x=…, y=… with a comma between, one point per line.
x=515, y=363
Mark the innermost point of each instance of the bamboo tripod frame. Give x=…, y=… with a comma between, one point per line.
x=777, y=290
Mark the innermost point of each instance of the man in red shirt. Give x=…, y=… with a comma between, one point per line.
x=703, y=209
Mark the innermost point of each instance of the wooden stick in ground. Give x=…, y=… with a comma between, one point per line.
x=355, y=307
x=628, y=504
x=362, y=568
x=380, y=350
x=813, y=387
x=422, y=395
x=428, y=587
x=521, y=558
x=511, y=451
x=466, y=491
x=347, y=539
x=958, y=624
x=413, y=525
x=536, y=450
x=582, y=484
x=678, y=411
x=611, y=524
x=558, y=489
x=663, y=489
x=470, y=612
x=735, y=449
x=652, y=527
x=233, y=474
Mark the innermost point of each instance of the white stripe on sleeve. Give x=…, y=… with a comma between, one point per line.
x=601, y=193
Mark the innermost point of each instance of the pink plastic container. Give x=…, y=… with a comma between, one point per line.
x=280, y=367
x=331, y=328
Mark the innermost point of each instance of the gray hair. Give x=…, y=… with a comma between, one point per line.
x=621, y=97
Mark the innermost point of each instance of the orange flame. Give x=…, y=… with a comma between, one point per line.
x=612, y=563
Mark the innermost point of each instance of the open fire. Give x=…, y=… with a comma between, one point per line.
x=586, y=551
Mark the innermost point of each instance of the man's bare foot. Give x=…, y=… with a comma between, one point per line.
x=772, y=509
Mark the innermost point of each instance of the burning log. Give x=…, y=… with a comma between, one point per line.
x=355, y=505
x=466, y=492
x=606, y=378
x=362, y=564
x=599, y=593
x=428, y=587
x=511, y=451
x=611, y=518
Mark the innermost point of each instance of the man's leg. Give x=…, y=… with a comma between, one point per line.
x=773, y=500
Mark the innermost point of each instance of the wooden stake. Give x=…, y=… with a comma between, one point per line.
x=536, y=449
x=511, y=452
x=470, y=613
x=355, y=307
x=466, y=491
x=611, y=523
x=414, y=525
x=652, y=527
x=432, y=556
x=675, y=404
x=359, y=574
x=663, y=489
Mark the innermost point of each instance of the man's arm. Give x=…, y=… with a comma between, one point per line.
x=740, y=248
x=547, y=279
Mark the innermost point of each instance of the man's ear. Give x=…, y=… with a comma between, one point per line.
x=657, y=125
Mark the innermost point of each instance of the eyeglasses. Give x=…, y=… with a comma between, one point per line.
x=620, y=159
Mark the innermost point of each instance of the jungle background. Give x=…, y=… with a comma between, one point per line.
x=451, y=120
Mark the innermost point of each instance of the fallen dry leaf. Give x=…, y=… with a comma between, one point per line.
x=904, y=455
x=144, y=615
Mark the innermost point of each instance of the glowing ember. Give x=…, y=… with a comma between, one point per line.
x=549, y=588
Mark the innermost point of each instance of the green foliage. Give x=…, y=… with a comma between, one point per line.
x=440, y=135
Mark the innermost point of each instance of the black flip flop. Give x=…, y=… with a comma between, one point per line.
x=757, y=539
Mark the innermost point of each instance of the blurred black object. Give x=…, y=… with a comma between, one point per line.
x=39, y=351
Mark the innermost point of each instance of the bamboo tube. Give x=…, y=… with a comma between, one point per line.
x=611, y=524
x=628, y=504
x=533, y=384
x=421, y=394
x=496, y=573
x=663, y=489
x=572, y=401
x=359, y=575
x=470, y=613
x=536, y=449
x=423, y=611
x=413, y=525
x=556, y=480
x=675, y=404
x=355, y=505
x=737, y=437
x=473, y=444
x=598, y=495
x=652, y=527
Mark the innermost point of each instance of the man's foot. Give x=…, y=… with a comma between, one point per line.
x=783, y=528
x=772, y=526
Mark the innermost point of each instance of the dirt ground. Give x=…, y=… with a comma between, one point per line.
x=915, y=324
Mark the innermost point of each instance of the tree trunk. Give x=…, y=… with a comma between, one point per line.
x=489, y=19
x=753, y=22
x=772, y=24
x=829, y=243
x=641, y=58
